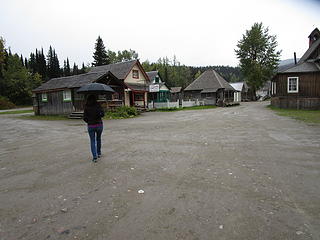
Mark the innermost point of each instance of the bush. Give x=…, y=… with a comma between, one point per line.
x=5, y=103
x=122, y=112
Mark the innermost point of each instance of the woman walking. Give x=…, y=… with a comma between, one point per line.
x=93, y=113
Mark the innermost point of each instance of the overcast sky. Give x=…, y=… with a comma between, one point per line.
x=198, y=32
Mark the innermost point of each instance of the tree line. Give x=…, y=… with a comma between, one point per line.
x=173, y=73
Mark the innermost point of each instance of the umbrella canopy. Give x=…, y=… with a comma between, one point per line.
x=95, y=88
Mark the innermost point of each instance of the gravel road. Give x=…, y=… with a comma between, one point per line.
x=224, y=173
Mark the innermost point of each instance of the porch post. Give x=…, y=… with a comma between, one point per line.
x=133, y=98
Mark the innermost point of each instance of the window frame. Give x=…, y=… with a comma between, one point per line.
x=297, y=85
x=139, y=97
x=135, y=76
x=65, y=97
x=274, y=88
x=44, y=97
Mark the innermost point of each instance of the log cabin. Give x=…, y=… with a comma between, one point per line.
x=210, y=88
x=298, y=87
x=58, y=96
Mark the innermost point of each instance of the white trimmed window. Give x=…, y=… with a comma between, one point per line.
x=44, y=97
x=135, y=74
x=66, y=95
x=293, y=84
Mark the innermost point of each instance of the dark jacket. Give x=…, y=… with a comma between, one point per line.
x=93, y=114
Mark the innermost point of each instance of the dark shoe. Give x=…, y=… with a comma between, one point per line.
x=94, y=160
x=99, y=156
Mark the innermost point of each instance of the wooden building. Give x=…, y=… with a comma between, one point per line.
x=211, y=88
x=299, y=86
x=158, y=90
x=176, y=94
x=128, y=79
x=242, y=92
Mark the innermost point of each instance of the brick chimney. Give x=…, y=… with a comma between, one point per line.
x=314, y=36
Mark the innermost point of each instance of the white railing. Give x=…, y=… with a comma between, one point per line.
x=168, y=104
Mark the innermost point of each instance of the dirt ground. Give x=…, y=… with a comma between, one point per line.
x=225, y=173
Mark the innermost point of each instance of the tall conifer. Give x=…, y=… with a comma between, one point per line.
x=100, y=54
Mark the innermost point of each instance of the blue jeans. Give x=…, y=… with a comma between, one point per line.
x=95, y=140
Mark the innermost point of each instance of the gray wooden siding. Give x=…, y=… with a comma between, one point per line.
x=55, y=104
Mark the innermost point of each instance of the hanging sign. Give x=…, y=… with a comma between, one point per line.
x=154, y=88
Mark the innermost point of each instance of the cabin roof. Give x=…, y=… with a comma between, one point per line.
x=309, y=52
x=152, y=74
x=119, y=70
x=304, y=67
x=238, y=86
x=210, y=79
x=175, y=89
x=69, y=82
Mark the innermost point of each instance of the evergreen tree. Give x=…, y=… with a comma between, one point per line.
x=75, y=69
x=21, y=59
x=53, y=66
x=32, y=63
x=26, y=63
x=100, y=54
x=83, y=69
x=66, y=68
x=258, y=56
x=42, y=65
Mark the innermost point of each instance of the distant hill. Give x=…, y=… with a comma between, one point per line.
x=287, y=61
x=286, y=64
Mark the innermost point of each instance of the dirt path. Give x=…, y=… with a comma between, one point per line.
x=225, y=173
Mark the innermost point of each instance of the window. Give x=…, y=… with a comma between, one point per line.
x=135, y=74
x=293, y=84
x=157, y=79
x=139, y=97
x=44, y=97
x=66, y=95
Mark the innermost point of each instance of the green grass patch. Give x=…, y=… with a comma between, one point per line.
x=17, y=112
x=309, y=116
x=183, y=109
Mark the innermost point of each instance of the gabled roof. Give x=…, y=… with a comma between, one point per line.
x=152, y=74
x=175, y=89
x=304, y=67
x=120, y=70
x=309, y=52
x=70, y=82
x=210, y=79
x=238, y=86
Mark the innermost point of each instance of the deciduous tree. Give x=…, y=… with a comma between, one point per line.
x=258, y=56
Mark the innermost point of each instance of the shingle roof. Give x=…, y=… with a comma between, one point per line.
x=152, y=74
x=308, y=53
x=69, y=82
x=175, y=89
x=210, y=79
x=120, y=70
x=304, y=67
x=238, y=86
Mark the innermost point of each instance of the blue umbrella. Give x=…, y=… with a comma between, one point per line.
x=95, y=88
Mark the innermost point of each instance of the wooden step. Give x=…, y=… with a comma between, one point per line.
x=76, y=115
